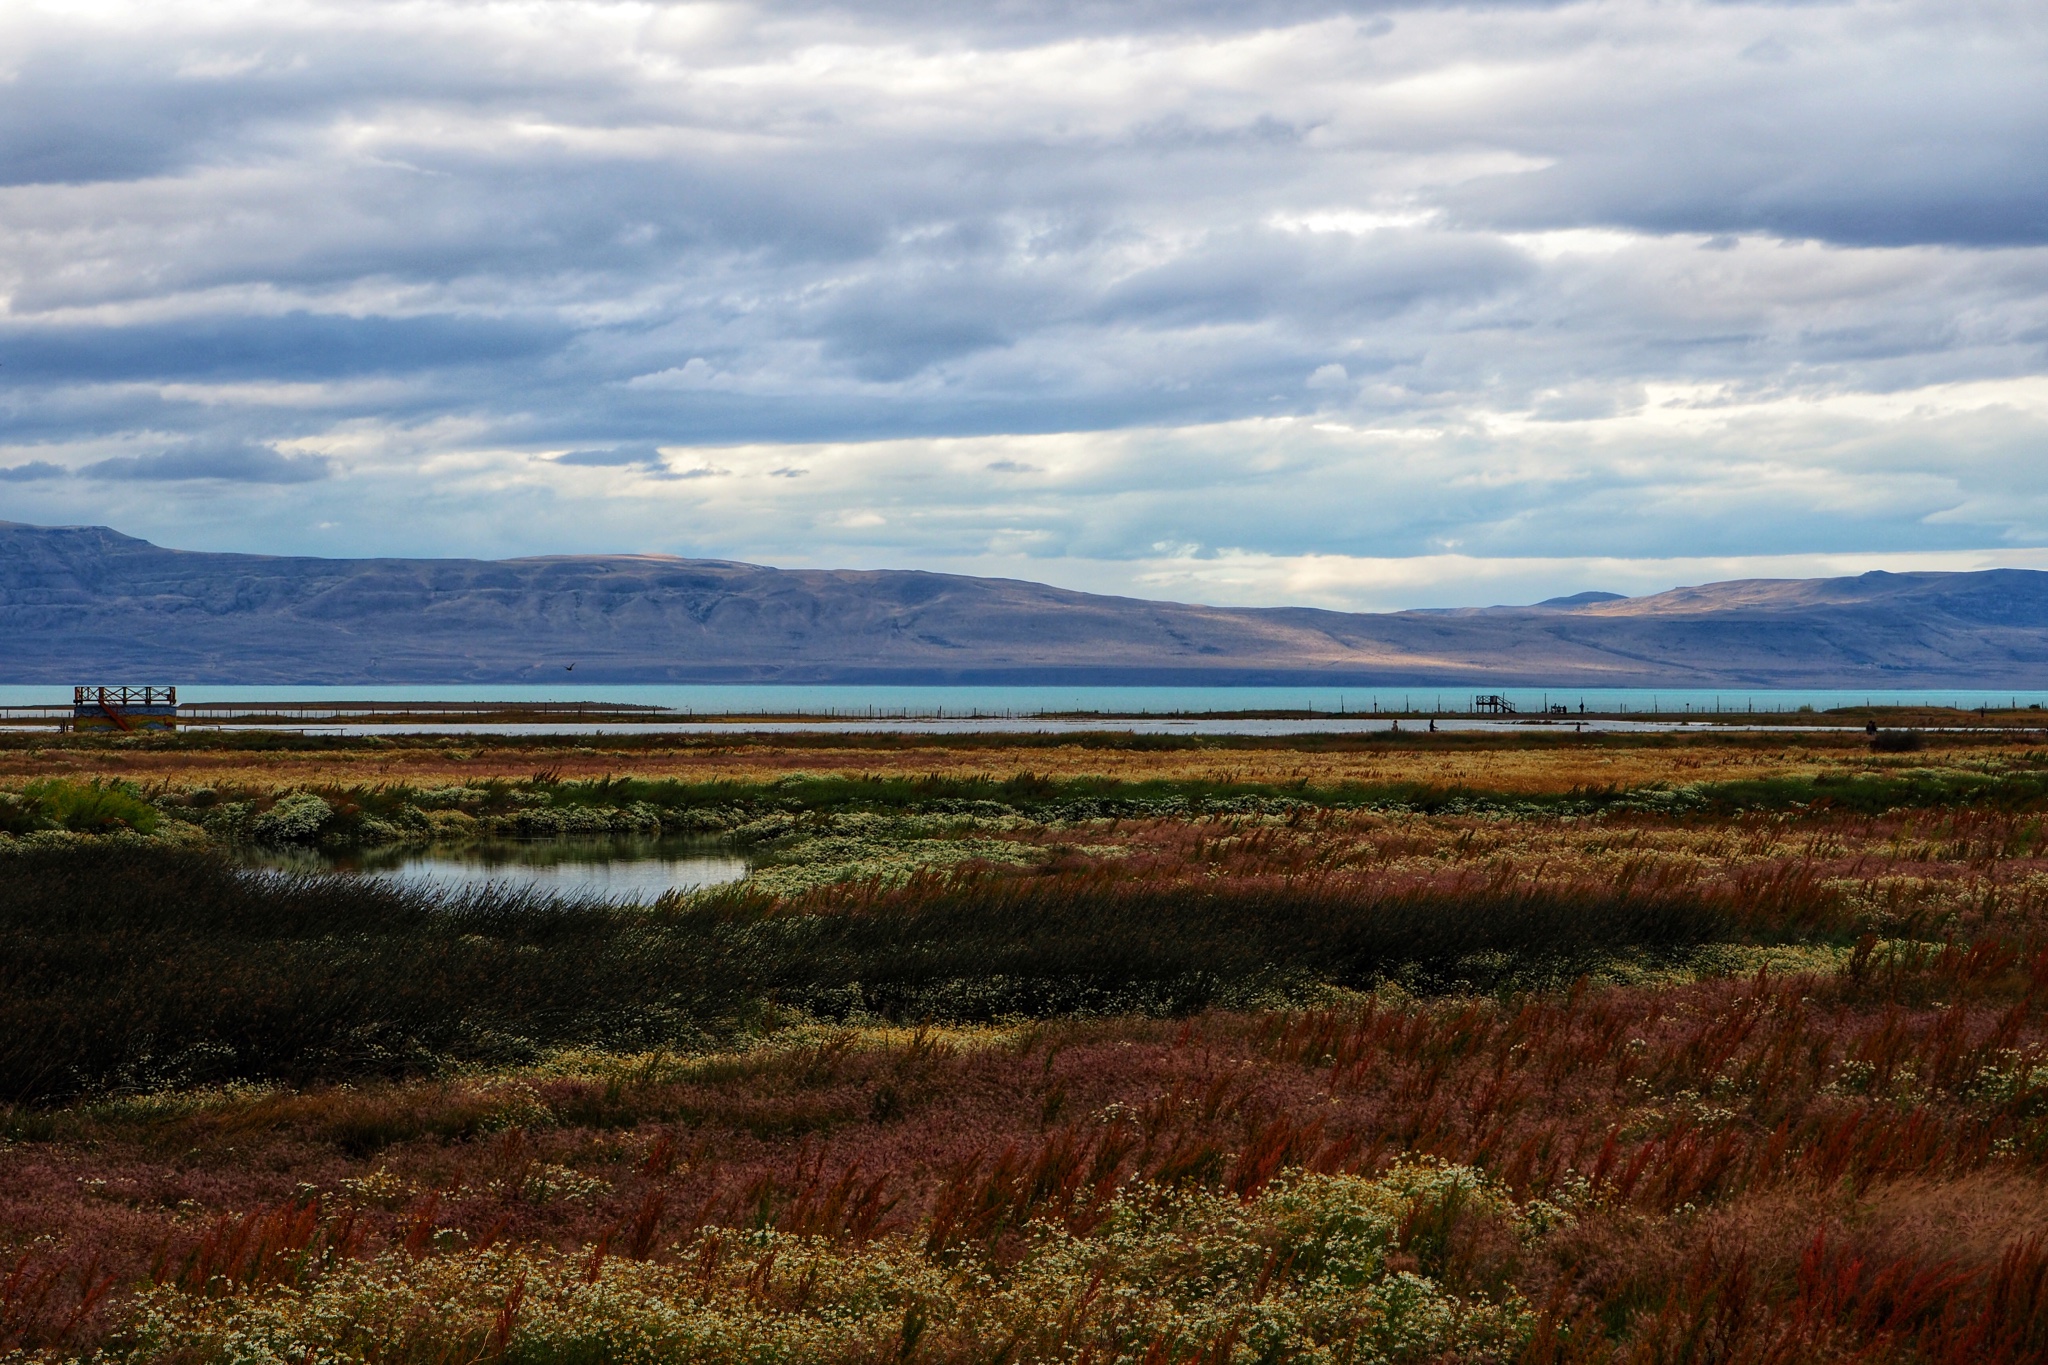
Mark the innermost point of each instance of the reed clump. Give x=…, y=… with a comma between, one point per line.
x=130, y=968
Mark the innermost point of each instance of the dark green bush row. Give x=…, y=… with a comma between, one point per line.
x=545, y=806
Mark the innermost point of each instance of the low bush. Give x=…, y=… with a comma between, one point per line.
x=296, y=818
x=93, y=807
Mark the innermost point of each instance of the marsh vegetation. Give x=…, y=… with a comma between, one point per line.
x=1413, y=1055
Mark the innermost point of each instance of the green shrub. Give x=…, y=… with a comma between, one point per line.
x=296, y=819
x=93, y=807
x=19, y=815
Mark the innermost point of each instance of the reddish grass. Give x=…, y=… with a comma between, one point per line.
x=1743, y=1202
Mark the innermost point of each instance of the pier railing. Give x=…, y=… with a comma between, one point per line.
x=124, y=696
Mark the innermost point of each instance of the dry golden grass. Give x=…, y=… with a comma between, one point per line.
x=1507, y=763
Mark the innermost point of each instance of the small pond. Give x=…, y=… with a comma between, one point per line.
x=624, y=870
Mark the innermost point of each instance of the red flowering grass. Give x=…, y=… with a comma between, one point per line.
x=1706, y=1132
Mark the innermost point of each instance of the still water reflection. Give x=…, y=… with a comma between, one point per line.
x=622, y=870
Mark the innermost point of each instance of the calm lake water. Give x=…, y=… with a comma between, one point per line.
x=883, y=703
x=623, y=870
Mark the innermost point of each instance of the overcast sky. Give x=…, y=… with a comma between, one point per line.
x=1257, y=301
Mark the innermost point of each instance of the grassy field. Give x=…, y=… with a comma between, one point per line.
x=1674, y=1048
x=1530, y=760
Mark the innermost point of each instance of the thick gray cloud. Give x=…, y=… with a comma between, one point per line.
x=1286, y=278
x=237, y=463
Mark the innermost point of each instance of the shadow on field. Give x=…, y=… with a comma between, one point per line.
x=126, y=969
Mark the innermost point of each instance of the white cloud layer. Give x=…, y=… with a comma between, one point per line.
x=1359, y=304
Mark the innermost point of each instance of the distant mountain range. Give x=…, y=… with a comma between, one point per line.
x=87, y=604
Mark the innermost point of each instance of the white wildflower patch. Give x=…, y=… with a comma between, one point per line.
x=381, y=1187
x=1302, y=1270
